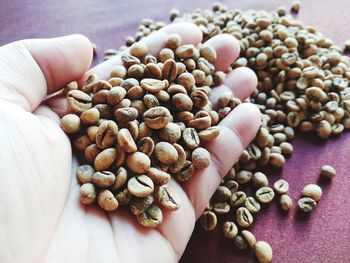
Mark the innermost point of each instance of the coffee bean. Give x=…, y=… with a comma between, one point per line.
x=70, y=86
x=264, y=195
x=208, y=221
x=173, y=41
x=307, y=204
x=187, y=80
x=186, y=172
x=190, y=137
x=126, y=141
x=152, y=217
x=243, y=177
x=168, y=198
x=79, y=101
x=118, y=71
x=244, y=217
x=105, y=159
x=281, y=186
x=158, y=177
x=182, y=102
x=277, y=159
x=229, y=230
x=169, y=70
x=138, y=49
x=139, y=205
x=121, y=177
x=85, y=173
x=91, y=152
x=129, y=60
x=201, y=158
x=166, y=153
x=232, y=186
x=222, y=193
x=180, y=162
x=252, y=205
x=209, y=134
x=259, y=180
x=237, y=199
x=107, y=201
x=103, y=179
x=313, y=191
x=199, y=98
x=239, y=242
x=170, y=133
x=90, y=116
x=116, y=95
x=249, y=238
x=126, y=114
x=87, y=193
x=70, y=123
x=221, y=208
x=138, y=162
x=185, y=51
x=201, y=121
x=286, y=202
x=208, y=52
x=263, y=252
x=123, y=197
x=106, y=134
x=157, y=117
x=328, y=171
x=140, y=186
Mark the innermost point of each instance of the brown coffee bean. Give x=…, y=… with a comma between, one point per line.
x=201, y=158
x=101, y=85
x=90, y=116
x=175, y=88
x=152, y=85
x=157, y=117
x=78, y=101
x=209, y=134
x=138, y=162
x=208, y=221
x=150, y=101
x=105, y=159
x=87, y=194
x=244, y=217
x=91, y=152
x=205, y=66
x=182, y=102
x=85, y=173
x=126, y=141
x=139, y=205
x=70, y=123
x=201, y=121
x=152, y=217
x=82, y=142
x=173, y=41
x=140, y=186
x=170, y=133
x=168, y=198
x=106, y=134
x=169, y=70
x=158, y=177
x=190, y=137
x=126, y=114
x=181, y=160
x=264, y=194
x=107, y=201
x=166, y=153
x=118, y=71
x=129, y=60
x=152, y=70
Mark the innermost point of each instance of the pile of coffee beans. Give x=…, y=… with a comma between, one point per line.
x=303, y=84
x=144, y=125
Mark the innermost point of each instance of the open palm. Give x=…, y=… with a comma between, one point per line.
x=41, y=219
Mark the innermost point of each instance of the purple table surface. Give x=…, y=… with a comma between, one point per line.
x=323, y=236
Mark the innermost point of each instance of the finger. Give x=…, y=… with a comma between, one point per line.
x=59, y=105
x=237, y=130
x=189, y=33
x=227, y=50
x=31, y=69
x=241, y=82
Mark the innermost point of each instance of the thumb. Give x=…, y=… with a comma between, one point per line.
x=31, y=69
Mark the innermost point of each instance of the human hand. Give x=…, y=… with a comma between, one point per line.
x=41, y=217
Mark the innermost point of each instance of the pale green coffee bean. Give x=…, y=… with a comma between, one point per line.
x=259, y=180
x=237, y=199
x=306, y=204
x=229, y=230
x=252, y=205
x=265, y=194
x=222, y=193
x=152, y=217
x=249, y=238
x=244, y=217
x=313, y=191
x=87, y=194
x=263, y=252
x=281, y=186
x=221, y=208
x=243, y=177
x=328, y=171
x=285, y=202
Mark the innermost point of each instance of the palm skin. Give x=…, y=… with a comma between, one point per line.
x=41, y=217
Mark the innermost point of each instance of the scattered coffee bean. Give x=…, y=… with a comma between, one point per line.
x=249, y=238
x=152, y=217
x=281, y=186
x=239, y=242
x=107, y=201
x=140, y=186
x=263, y=252
x=285, y=202
x=264, y=194
x=328, y=171
x=313, y=191
x=168, y=198
x=244, y=217
x=229, y=230
x=307, y=204
x=208, y=221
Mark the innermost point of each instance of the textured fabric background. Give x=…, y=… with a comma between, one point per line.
x=322, y=236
